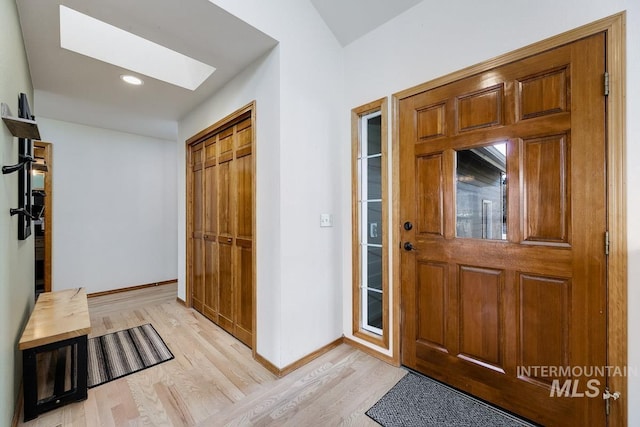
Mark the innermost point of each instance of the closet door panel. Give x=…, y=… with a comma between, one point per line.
x=224, y=200
x=226, y=312
x=197, y=275
x=211, y=289
x=244, y=194
x=197, y=265
x=244, y=281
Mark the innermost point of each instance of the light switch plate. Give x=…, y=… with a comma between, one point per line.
x=326, y=220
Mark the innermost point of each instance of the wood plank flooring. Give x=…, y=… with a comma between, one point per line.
x=214, y=381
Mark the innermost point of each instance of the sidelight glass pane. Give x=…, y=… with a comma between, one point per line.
x=374, y=309
x=374, y=223
x=374, y=178
x=369, y=195
x=374, y=135
x=481, y=196
x=374, y=268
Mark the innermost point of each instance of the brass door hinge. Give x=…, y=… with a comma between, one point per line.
x=607, y=396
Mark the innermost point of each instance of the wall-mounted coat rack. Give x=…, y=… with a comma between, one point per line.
x=25, y=129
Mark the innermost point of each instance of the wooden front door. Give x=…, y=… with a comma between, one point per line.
x=220, y=258
x=503, y=210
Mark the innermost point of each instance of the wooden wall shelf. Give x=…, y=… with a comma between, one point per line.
x=20, y=128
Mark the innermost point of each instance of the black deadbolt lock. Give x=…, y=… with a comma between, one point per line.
x=408, y=226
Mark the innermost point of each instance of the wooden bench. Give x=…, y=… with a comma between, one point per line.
x=59, y=325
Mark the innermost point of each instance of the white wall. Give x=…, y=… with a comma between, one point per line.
x=298, y=89
x=114, y=207
x=16, y=256
x=435, y=38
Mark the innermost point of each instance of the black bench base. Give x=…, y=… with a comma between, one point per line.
x=78, y=391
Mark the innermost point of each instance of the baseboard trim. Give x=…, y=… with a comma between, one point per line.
x=371, y=352
x=131, y=288
x=181, y=301
x=18, y=408
x=309, y=357
x=270, y=366
x=299, y=363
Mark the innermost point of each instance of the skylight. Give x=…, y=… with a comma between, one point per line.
x=88, y=36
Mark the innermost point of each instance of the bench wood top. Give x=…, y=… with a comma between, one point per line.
x=57, y=316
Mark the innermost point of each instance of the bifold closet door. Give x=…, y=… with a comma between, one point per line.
x=222, y=218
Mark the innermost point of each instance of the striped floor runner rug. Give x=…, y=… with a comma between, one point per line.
x=121, y=353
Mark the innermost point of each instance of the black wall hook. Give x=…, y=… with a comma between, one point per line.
x=14, y=168
x=23, y=211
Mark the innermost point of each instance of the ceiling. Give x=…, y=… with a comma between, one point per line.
x=76, y=88
x=351, y=19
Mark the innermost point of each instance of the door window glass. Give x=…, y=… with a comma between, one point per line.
x=481, y=196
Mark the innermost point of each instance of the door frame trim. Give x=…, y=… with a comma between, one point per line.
x=615, y=29
x=201, y=136
x=48, y=214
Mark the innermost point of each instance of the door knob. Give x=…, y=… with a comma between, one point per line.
x=408, y=246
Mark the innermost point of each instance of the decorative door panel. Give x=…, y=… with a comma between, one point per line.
x=211, y=280
x=480, y=332
x=244, y=298
x=543, y=323
x=225, y=274
x=431, y=304
x=429, y=172
x=546, y=193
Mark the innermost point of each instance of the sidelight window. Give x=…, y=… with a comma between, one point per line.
x=370, y=222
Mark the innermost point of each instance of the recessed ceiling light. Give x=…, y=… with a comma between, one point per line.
x=132, y=80
x=88, y=36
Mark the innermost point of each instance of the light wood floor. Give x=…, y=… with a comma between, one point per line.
x=214, y=381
